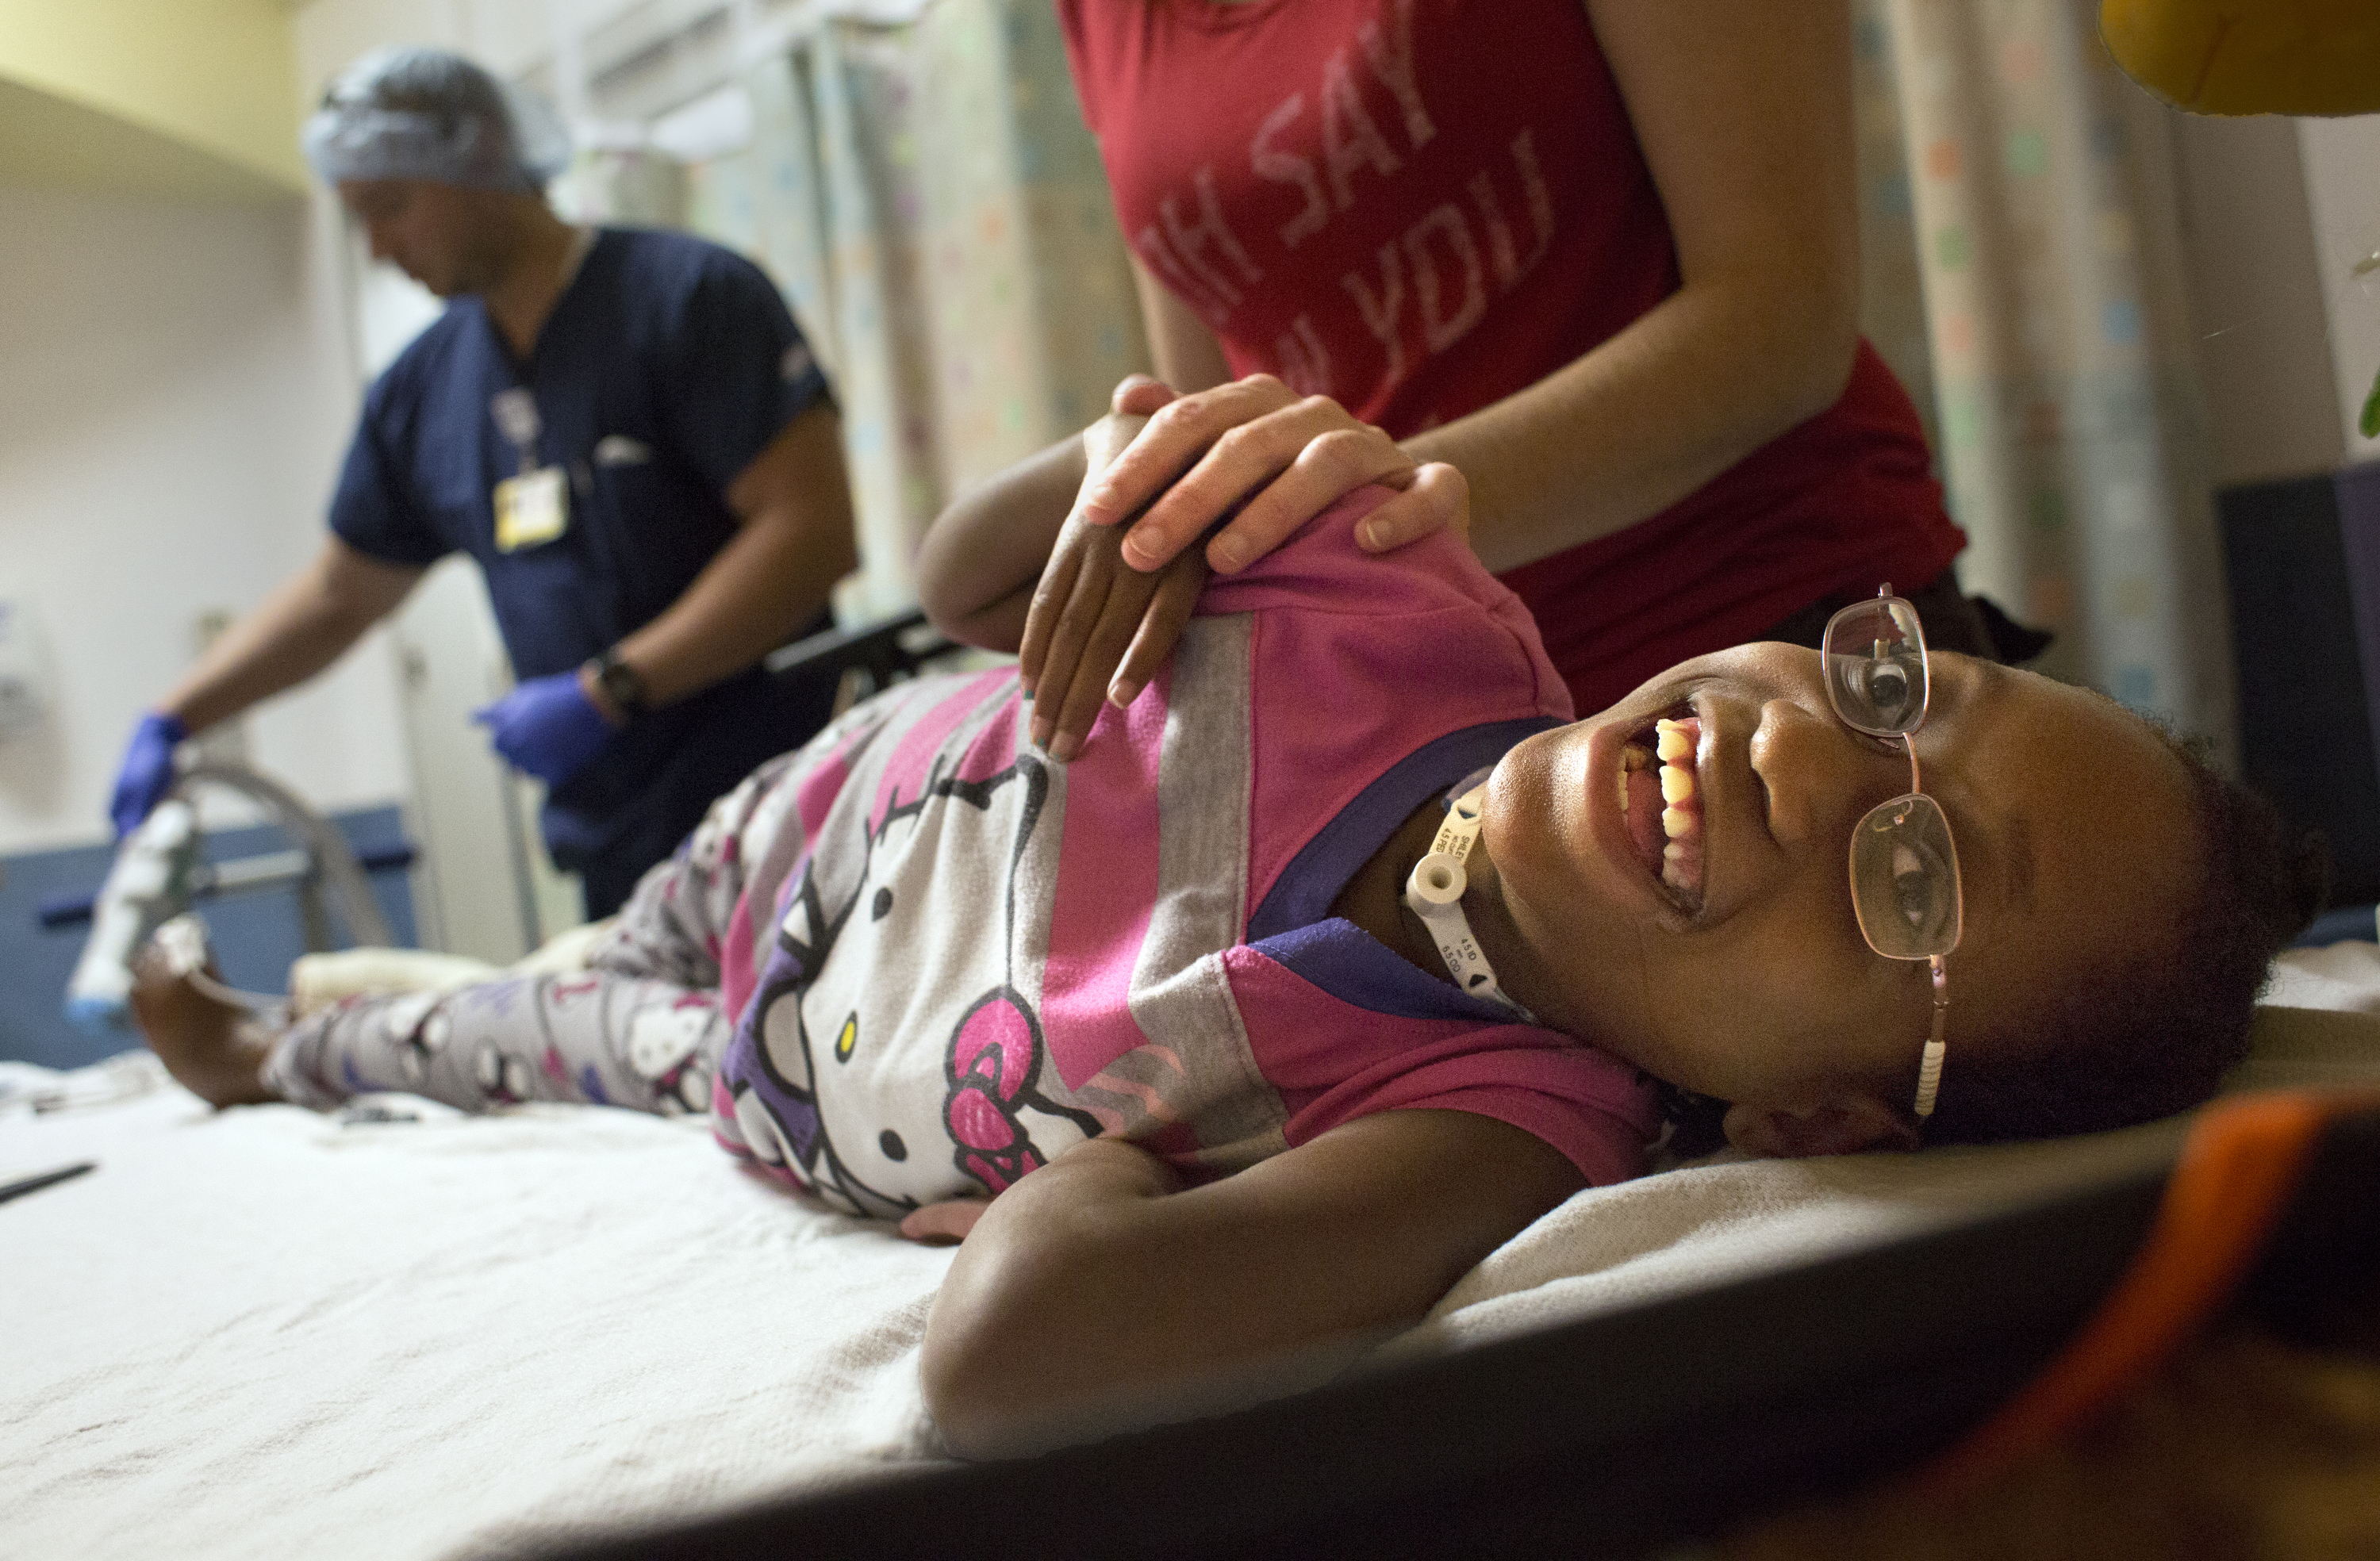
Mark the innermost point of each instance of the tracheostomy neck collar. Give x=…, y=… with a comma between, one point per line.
x=1434, y=892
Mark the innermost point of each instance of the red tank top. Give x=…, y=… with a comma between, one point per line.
x=1420, y=207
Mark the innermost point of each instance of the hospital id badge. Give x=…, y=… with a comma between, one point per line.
x=531, y=508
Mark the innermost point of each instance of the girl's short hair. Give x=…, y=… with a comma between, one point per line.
x=2143, y=1038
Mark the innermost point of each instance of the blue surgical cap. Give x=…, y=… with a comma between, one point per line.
x=425, y=114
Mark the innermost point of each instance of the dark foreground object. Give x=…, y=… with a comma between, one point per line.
x=1609, y=1438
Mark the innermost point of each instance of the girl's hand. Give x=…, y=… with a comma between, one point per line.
x=1279, y=460
x=1098, y=630
x=940, y=1224
x=1098, y=1294
x=943, y=1225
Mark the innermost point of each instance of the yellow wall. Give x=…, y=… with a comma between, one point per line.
x=214, y=77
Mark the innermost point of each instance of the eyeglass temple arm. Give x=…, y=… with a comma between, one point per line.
x=1929, y=1071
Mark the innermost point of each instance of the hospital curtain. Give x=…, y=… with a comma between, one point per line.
x=1892, y=295
x=2039, y=186
x=928, y=198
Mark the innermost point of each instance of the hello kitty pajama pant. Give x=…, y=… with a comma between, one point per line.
x=641, y=1026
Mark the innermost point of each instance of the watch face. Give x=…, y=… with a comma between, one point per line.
x=622, y=683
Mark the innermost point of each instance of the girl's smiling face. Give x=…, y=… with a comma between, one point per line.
x=2074, y=830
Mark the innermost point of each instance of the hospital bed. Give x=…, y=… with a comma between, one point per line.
x=400, y=1332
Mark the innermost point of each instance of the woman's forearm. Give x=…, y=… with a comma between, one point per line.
x=1688, y=390
x=1743, y=112
x=1742, y=109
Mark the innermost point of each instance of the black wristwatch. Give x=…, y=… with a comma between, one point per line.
x=620, y=682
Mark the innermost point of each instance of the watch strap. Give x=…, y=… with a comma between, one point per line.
x=621, y=682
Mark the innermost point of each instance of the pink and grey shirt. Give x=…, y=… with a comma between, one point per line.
x=979, y=958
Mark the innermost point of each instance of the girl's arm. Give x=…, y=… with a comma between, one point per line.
x=985, y=558
x=978, y=562
x=1015, y=567
x=1094, y=1296
x=1743, y=108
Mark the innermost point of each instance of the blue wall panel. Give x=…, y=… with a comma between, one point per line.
x=256, y=936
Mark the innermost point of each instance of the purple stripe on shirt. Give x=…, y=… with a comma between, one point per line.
x=1302, y=895
x=1358, y=969
x=1597, y=1110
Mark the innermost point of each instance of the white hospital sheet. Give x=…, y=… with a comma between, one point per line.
x=268, y=1332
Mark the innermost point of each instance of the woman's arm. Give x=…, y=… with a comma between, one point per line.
x=1187, y=355
x=1310, y=450
x=1744, y=113
x=1093, y=1296
x=1743, y=108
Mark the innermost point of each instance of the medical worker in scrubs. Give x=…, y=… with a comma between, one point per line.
x=624, y=428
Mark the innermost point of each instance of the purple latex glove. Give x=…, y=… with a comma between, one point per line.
x=547, y=727
x=148, y=772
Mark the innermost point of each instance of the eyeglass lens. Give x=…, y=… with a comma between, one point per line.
x=1905, y=879
x=1875, y=657
x=1904, y=868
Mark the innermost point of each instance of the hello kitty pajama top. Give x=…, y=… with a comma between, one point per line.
x=981, y=958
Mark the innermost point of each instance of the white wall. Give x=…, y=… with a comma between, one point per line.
x=175, y=390
x=2256, y=301
x=2342, y=175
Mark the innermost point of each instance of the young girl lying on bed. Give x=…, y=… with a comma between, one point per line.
x=1340, y=955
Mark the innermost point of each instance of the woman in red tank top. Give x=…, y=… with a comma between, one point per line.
x=1598, y=259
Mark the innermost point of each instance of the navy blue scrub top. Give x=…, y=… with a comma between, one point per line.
x=666, y=366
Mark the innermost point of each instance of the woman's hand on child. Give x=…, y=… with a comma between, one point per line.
x=1256, y=447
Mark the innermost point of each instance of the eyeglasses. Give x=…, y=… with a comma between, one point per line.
x=1904, y=868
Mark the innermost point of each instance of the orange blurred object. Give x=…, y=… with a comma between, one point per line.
x=2251, y=57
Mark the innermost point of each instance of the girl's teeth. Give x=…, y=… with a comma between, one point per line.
x=1681, y=818
x=1634, y=757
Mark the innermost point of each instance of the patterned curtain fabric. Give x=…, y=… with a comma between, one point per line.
x=1892, y=294
x=631, y=188
x=930, y=203
x=2039, y=185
